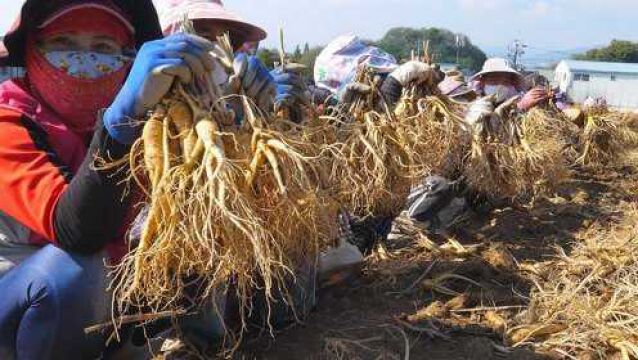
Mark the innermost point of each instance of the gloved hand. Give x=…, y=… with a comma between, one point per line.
x=532, y=98
x=156, y=67
x=353, y=91
x=253, y=77
x=505, y=108
x=479, y=109
x=417, y=72
x=412, y=72
x=291, y=91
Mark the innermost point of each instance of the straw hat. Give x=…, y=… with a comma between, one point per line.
x=172, y=12
x=497, y=65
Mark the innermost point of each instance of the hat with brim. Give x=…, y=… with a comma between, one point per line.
x=449, y=85
x=497, y=66
x=173, y=12
x=139, y=13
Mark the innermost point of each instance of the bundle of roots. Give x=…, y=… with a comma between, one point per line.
x=606, y=137
x=513, y=155
x=373, y=164
x=584, y=304
x=436, y=135
x=225, y=204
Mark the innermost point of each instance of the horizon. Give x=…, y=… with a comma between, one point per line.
x=548, y=27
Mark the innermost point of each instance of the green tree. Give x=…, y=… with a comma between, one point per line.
x=297, y=54
x=401, y=41
x=616, y=51
x=308, y=59
x=268, y=57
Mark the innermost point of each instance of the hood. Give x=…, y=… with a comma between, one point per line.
x=141, y=14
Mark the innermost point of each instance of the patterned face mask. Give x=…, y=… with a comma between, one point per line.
x=86, y=65
x=502, y=92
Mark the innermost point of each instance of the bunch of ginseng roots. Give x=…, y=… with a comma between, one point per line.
x=379, y=154
x=606, y=137
x=227, y=204
x=510, y=154
x=584, y=304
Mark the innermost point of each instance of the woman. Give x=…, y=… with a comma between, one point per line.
x=270, y=90
x=339, y=62
x=59, y=216
x=500, y=79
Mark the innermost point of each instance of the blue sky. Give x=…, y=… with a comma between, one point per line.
x=543, y=24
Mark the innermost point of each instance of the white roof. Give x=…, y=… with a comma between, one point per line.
x=601, y=67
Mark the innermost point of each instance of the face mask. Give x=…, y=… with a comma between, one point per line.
x=86, y=65
x=76, y=87
x=502, y=92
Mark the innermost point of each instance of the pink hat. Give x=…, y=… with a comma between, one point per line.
x=171, y=13
x=453, y=87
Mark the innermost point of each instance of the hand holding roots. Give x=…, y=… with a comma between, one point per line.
x=224, y=203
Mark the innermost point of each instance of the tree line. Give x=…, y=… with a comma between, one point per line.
x=616, y=51
x=444, y=45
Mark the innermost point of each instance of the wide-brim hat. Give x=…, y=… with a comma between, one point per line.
x=172, y=12
x=496, y=66
x=139, y=13
x=454, y=86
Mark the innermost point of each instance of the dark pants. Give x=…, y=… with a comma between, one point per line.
x=46, y=303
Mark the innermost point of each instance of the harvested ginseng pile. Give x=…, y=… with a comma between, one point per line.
x=513, y=155
x=373, y=164
x=606, y=136
x=227, y=204
x=584, y=303
x=435, y=133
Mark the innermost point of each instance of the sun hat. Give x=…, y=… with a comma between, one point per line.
x=338, y=62
x=452, y=86
x=495, y=66
x=140, y=13
x=172, y=12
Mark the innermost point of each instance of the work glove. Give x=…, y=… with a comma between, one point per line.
x=410, y=73
x=157, y=65
x=532, y=98
x=252, y=76
x=417, y=72
x=504, y=109
x=479, y=110
x=354, y=91
x=291, y=91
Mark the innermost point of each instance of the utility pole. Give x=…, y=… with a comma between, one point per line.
x=516, y=51
x=460, y=42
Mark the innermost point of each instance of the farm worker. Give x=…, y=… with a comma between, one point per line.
x=338, y=63
x=211, y=19
x=60, y=217
x=500, y=79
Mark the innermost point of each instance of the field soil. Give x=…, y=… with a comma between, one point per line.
x=378, y=315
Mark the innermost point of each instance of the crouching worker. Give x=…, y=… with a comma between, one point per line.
x=501, y=81
x=269, y=90
x=61, y=219
x=338, y=64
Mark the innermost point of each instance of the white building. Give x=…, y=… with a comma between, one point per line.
x=615, y=82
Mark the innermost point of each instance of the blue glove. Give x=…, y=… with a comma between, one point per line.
x=291, y=92
x=290, y=87
x=156, y=67
x=256, y=81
